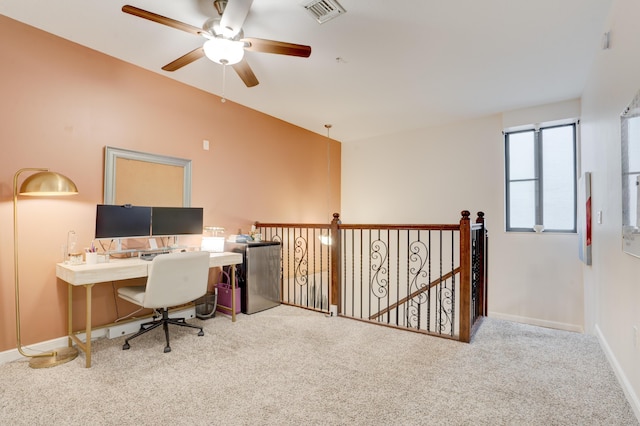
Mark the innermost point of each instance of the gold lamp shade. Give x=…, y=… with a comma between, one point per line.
x=46, y=184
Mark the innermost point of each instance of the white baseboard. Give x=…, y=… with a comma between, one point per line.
x=538, y=322
x=14, y=354
x=617, y=369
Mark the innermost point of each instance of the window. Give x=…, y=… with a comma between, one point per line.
x=541, y=178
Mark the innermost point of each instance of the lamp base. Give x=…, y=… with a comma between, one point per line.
x=60, y=356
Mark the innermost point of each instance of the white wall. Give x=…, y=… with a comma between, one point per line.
x=430, y=175
x=612, y=283
x=534, y=278
x=423, y=176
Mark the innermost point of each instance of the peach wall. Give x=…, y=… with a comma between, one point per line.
x=61, y=104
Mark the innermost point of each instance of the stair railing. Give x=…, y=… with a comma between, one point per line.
x=430, y=279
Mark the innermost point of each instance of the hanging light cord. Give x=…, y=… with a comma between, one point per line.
x=328, y=127
x=224, y=79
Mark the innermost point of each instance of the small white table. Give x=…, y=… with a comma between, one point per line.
x=115, y=270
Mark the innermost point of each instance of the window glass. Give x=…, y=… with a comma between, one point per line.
x=558, y=177
x=631, y=172
x=521, y=156
x=634, y=149
x=541, y=179
x=522, y=204
x=632, y=211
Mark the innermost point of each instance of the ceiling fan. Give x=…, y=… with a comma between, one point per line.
x=225, y=39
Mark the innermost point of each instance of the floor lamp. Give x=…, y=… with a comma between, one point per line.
x=42, y=183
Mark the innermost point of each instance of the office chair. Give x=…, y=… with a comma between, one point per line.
x=173, y=279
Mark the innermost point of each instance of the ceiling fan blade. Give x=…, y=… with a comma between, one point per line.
x=277, y=47
x=132, y=10
x=245, y=73
x=183, y=60
x=234, y=15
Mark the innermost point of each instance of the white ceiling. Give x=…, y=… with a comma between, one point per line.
x=404, y=64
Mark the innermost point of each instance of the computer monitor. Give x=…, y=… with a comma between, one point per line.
x=167, y=221
x=127, y=221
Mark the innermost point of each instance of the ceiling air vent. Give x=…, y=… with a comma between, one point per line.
x=324, y=10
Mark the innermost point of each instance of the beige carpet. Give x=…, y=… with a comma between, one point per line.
x=288, y=366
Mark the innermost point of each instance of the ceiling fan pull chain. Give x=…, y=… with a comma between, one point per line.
x=224, y=79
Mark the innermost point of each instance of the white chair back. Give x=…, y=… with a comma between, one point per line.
x=176, y=278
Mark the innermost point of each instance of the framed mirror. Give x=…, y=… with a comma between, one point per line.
x=630, y=133
x=143, y=179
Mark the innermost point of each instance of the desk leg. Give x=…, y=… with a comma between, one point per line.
x=70, y=313
x=87, y=351
x=73, y=336
x=233, y=293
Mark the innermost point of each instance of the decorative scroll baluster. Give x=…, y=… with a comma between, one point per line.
x=380, y=279
x=418, y=256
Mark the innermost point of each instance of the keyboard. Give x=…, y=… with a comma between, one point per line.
x=151, y=256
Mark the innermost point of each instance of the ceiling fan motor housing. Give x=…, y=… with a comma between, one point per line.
x=212, y=27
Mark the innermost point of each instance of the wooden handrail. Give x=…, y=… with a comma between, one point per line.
x=292, y=225
x=441, y=227
x=336, y=218
x=416, y=293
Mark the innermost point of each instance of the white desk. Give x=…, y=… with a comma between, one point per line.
x=115, y=270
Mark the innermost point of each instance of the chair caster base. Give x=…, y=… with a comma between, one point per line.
x=125, y=346
x=201, y=333
x=167, y=349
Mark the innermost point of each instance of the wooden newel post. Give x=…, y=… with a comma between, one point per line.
x=334, y=296
x=465, y=277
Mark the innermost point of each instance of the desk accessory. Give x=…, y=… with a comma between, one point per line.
x=224, y=295
x=91, y=257
x=212, y=239
x=72, y=240
x=42, y=183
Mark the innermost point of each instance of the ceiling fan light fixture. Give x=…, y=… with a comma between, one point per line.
x=224, y=51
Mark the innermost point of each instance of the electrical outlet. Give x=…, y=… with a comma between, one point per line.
x=205, y=145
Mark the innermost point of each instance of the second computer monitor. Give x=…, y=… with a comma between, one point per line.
x=167, y=221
